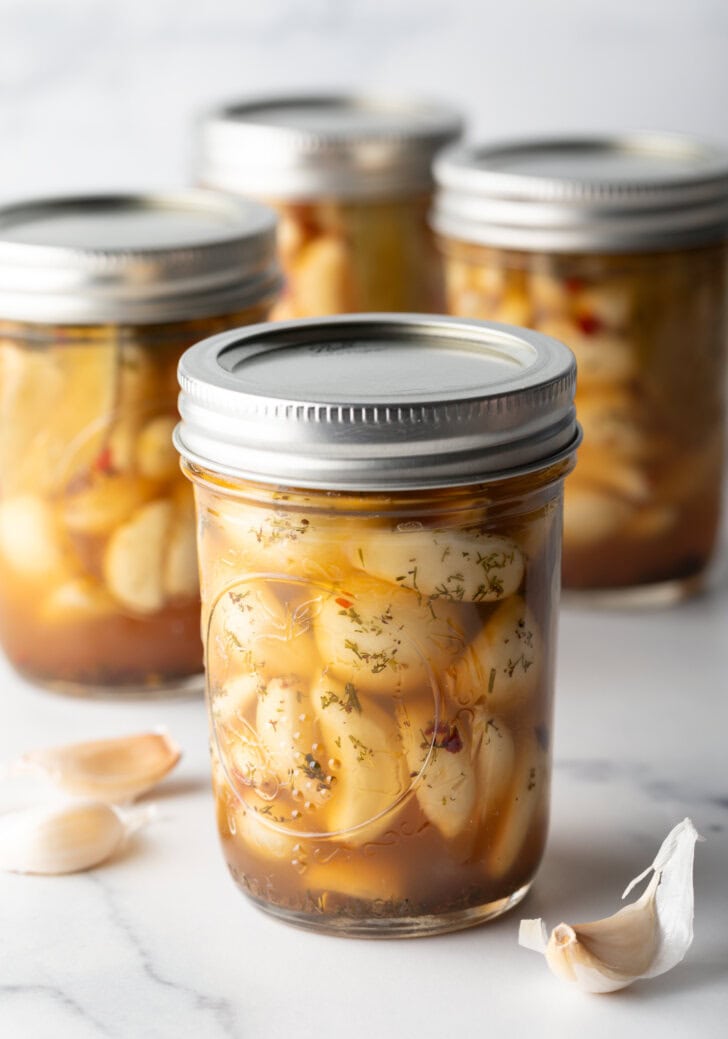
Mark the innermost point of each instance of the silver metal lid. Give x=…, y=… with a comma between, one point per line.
x=376, y=402
x=134, y=259
x=586, y=194
x=327, y=145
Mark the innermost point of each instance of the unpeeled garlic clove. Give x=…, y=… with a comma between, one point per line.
x=114, y=771
x=62, y=838
x=642, y=940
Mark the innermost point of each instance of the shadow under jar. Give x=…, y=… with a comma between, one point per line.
x=617, y=247
x=350, y=178
x=379, y=553
x=99, y=297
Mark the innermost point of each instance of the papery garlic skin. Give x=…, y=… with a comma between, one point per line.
x=60, y=839
x=642, y=940
x=115, y=770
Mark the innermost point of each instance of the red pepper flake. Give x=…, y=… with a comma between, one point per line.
x=573, y=284
x=103, y=463
x=446, y=737
x=589, y=324
x=345, y=604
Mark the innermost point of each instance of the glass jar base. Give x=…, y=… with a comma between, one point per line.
x=393, y=927
x=636, y=597
x=186, y=686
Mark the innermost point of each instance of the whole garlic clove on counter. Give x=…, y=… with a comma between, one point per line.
x=642, y=940
x=63, y=838
x=113, y=771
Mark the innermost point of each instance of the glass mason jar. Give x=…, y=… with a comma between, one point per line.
x=379, y=553
x=99, y=297
x=618, y=248
x=351, y=180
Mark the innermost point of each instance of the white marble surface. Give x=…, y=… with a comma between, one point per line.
x=97, y=94
x=159, y=943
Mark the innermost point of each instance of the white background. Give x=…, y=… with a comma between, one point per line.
x=102, y=93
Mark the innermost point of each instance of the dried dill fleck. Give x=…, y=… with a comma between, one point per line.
x=363, y=752
x=239, y=599
x=313, y=770
x=350, y=701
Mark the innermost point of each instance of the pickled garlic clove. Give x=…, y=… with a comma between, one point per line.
x=29, y=538
x=77, y=600
x=602, y=360
x=134, y=558
x=114, y=770
x=591, y=513
x=286, y=727
x=156, y=455
x=259, y=634
x=439, y=754
x=548, y=295
x=63, y=839
x=241, y=758
x=460, y=566
x=350, y=876
x=612, y=419
x=236, y=699
x=502, y=666
x=104, y=503
x=642, y=940
x=525, y=798
x=494, y=756
x=54, y=408
x=367, y=763
x=261, y=835
x=179, y=576
x=282, y=541
x=604, y=471
x=322, y=277
x=381, y=637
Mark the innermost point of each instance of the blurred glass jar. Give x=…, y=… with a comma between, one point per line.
x=380, y=556
x=99, y=297
x=351, y=180
x=617, y=247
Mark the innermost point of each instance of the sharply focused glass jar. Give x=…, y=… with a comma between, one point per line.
x=99, y=297
x=351, y=180
x=618, y=248
x=379, y=518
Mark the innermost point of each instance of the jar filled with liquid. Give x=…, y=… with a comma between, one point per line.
x=350, y=178
x=617, y=247
x=99, y=297
x=379, y=518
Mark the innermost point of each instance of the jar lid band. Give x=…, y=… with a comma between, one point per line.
x=638, y=192
x=298, y=148
x=377, y=402
x=135, y=259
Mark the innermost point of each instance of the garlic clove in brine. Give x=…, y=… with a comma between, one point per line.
x=63, y=838
x=114, y=770
x=642, y=940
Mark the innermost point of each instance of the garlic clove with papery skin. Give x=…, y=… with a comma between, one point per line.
x=65, y=838
x=114, y=770
x=642, y=940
